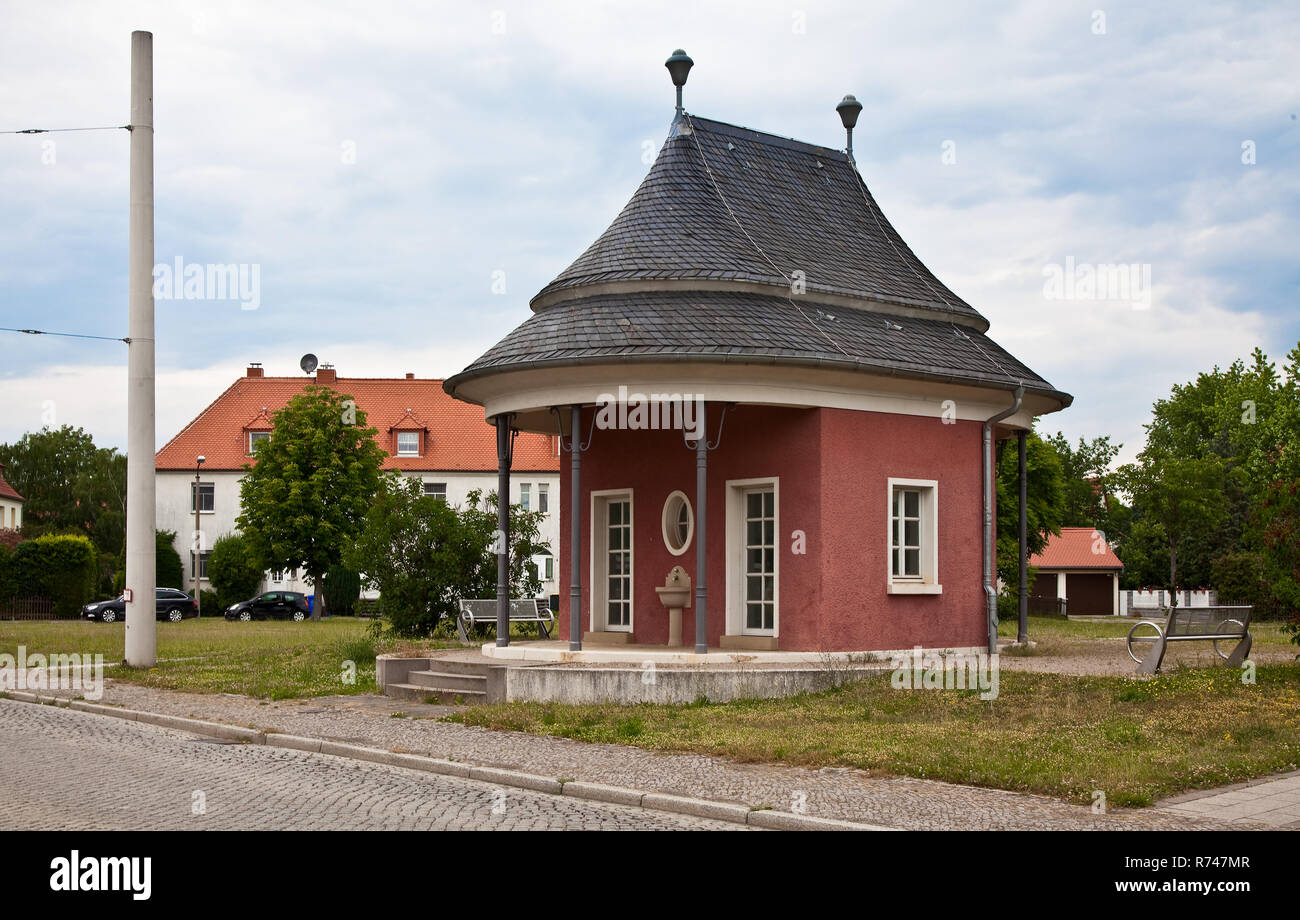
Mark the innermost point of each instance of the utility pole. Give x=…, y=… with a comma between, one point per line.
x=141, y=572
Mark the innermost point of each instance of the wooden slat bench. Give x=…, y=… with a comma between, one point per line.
x=1189, y=624
x=478, y=613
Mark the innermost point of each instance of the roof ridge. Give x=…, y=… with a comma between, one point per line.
x=765, y=137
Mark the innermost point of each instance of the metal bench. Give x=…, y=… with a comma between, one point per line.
x=1188, y=624
x=475, y=614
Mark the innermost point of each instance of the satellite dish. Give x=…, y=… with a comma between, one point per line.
x=308, y=363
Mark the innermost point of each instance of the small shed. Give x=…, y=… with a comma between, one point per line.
x=1080, y=568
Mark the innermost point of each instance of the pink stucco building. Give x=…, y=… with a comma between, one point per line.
x=848, y=403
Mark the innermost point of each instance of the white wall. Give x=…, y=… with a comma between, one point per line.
x=175, y=513
x=11, y=514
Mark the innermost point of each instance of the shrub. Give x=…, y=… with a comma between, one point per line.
x=234, y=573
x=62, y=568
x=170, y=571
x=210, y=606
x=342, y=590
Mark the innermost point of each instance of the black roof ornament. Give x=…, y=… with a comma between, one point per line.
x=679, y=68
x=849, y=109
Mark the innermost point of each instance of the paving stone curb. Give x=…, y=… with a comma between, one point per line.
x=657, y=801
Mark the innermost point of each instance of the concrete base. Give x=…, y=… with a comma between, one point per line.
x=607, y=638
x=752, y=643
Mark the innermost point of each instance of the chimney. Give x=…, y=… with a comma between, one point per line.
x=410, y=376
x=254, y=369
x=325, y=374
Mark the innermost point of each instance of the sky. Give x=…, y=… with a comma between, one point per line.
x=405, y=176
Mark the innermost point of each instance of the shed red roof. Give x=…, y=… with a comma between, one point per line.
x=458, y=438
x=1076, y=548
x=6, y=490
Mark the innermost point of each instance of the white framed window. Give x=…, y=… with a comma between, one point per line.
x=203, y=565
x=523, y=495
x=912, y=537
x=678, y=523
x=437, y=490
x=408, y=443
x=207, y=497
x=255, y=438
x=543, y=497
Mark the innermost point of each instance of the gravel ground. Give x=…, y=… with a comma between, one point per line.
x=843, y=793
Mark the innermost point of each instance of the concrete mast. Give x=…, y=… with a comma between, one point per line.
x=141, y=639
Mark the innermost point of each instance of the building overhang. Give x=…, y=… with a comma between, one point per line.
x=528, y=391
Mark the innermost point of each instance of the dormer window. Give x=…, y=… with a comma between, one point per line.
x=408, y=443
x=255, y=438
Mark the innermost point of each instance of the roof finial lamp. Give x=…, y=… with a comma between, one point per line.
x=849, y=109
x=679, y=67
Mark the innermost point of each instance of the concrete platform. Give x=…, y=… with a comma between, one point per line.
x=557, y=652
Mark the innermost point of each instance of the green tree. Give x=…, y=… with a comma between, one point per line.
x=425, y=555
x=342, y=590
x=70, y=486
x=169, y=571
x=232, y=570
x=1045, y=508
x=1182, y=495
x=313, y=481
x=1086, y=480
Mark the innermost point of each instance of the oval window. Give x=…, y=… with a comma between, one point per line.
x=678, y=523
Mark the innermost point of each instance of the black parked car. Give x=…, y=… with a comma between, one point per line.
x=276, y=605
x=170, y=604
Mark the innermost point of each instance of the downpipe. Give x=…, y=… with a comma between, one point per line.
x=990, y=592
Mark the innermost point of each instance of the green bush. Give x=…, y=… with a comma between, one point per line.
x=210, y=606
x=62, y=568
x=234, y=573
x=170, y=571
x=342, y=590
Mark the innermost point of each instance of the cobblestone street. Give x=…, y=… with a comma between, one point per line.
x=78, y=771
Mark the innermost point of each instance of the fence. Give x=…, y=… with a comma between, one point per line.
x=1145, y=600
x=27, y=608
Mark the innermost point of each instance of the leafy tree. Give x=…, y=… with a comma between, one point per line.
x=307, y=494
x=424, y=555
x=70, y=486
x=1045, y=490
x=234, y=573
x=1180, y=494
x=1277, y=525
x=170, y=572
x=1086, y=480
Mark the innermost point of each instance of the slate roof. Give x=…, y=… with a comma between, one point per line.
x=458, y=437
x=725, y=206
x=1073, y=549
x=719, y=326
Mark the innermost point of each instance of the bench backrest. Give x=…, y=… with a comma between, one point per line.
x=487, y=609
x=1207, y=621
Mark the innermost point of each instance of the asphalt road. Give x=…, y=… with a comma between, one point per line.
x=61, y=769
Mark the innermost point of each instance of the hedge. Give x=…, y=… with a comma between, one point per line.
x=62, y=568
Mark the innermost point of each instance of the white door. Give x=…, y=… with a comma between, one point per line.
x=612, y=560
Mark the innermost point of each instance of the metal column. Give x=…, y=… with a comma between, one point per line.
x=575, y=530
x=701, y=524
x=504, y=444
x=1022, y=634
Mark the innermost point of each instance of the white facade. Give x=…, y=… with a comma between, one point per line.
x=176, y=512
x=11, y=514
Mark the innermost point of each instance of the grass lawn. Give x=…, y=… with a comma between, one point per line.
x=1135, y=740
x=274, y=659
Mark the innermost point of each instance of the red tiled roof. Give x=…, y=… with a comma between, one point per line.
x=1074, y=549
x=9, y=492
x=458, y=438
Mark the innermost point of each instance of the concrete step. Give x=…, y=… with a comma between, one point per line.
x=458, y=666
x=419, y=694
x=441, y=680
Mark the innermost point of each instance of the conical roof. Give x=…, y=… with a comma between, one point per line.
x=746, y=246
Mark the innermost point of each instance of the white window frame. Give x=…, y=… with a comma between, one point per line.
x=426, y=490
x=735, y=523
x=196, y=497
x=928, y=581
x=256, y=434
x=408, y=453
x=544, y=497
x=690, y=523
x=525, y=496
x=597, y=555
